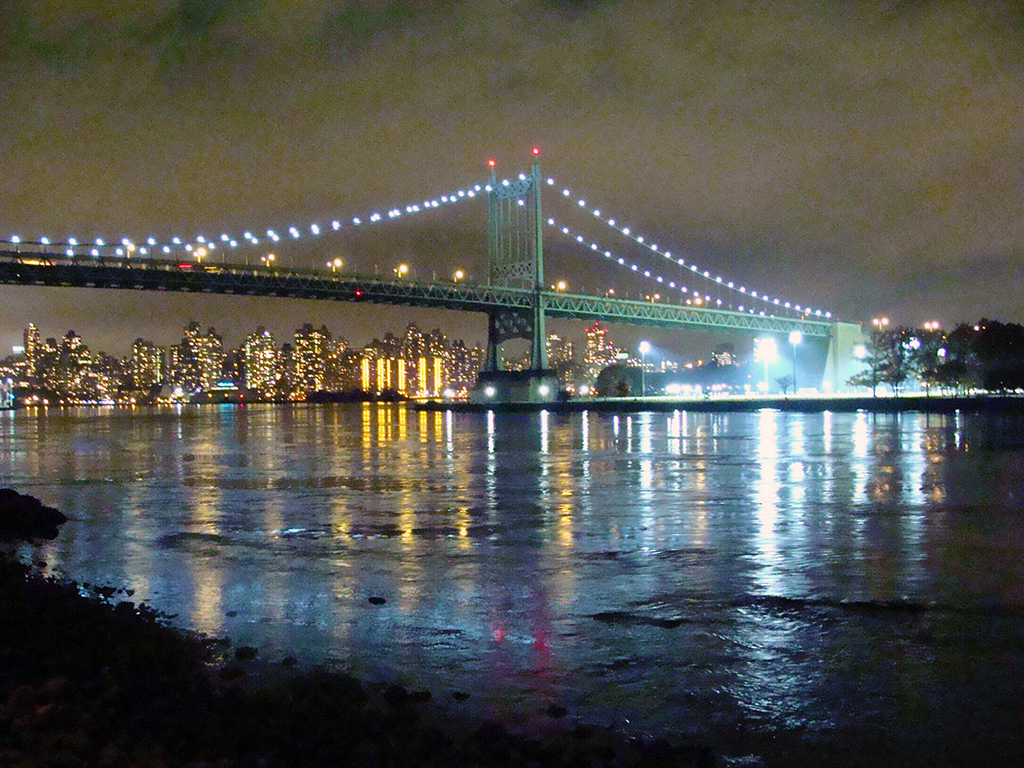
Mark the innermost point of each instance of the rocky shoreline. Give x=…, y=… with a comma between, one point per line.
x=89, y=678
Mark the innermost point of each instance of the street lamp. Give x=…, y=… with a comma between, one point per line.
x=459, y=274
x=335, y=264
x=795, y=337
x=644, y=349
x=268, y=259
x=765, y=351
x=561, y=285
x=401, y=270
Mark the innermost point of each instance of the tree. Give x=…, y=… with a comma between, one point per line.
x=1000, y=353
x=785, y=382
x=927, y=356
x=889, y=359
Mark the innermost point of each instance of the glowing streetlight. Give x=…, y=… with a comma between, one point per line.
x=459, y=275
x=401, y=271
x=200, y=254
x=268, y=260
x=561, y=285
x=795, y=338
x=336, y=264
x=765, y=351
x=644, y=349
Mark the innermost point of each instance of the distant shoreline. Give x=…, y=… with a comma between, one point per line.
x=883, y=404
x=993, y=404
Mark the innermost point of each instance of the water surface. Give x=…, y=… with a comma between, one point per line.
x=848, y=583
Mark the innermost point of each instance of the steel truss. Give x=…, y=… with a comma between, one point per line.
x=53, y=269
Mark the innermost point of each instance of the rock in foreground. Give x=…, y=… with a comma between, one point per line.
x=24, y=517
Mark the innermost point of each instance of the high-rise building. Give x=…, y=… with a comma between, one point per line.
x=145, y=364
x=465, y=365
x=415, y=363
x=200, y=359
x=384, y=366
x=70, y=373
x=233, y=368
x=560, y=351
x=341, y=372
x=600, y=352
x=260, y=356
x=724, y=354
x=32, y=344
x=311, y=350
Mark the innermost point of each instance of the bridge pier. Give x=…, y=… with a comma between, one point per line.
x=514, y=387
x=515, y=258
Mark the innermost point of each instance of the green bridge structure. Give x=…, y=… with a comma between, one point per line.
x=514, y=297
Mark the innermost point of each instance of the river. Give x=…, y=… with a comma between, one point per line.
x=847, y=586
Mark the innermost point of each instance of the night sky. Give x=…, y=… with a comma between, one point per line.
x=863, y=157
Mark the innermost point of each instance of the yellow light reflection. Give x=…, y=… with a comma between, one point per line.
x=403, y=416
x=207, y=613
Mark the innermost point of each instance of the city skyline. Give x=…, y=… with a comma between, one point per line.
x=289, y=367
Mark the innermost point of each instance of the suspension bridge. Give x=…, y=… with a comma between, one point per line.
x=514, y=294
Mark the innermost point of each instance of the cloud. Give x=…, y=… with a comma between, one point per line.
x=831, y=151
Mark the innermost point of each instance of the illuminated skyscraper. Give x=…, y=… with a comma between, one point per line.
x=199, y=360
x=311, y=349
x=600, y=351
x=560, y=351
x=260, y=356
x=32, y=343
x=145, y=364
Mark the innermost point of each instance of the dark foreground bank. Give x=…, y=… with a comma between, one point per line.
x=87, y=678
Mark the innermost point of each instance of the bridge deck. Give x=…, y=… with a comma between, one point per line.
x=53, y=269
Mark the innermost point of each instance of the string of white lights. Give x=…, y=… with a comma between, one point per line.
x=693, y=297
x=73, y=246
x=775, y=303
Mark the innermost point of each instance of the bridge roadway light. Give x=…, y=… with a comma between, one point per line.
x=335, y=264
x=644, y=349
x=401, y=270
x=561, y=285
x=795, y=338
x=268, y=260
x=459, y=275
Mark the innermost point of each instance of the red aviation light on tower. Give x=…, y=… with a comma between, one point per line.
x=491, y=163
x=536, y=151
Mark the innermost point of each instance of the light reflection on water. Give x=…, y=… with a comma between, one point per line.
x=838, y=578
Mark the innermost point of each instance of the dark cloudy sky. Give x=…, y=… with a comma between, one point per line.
x=864, y=156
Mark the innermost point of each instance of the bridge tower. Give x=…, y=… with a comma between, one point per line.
x=515, y=259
